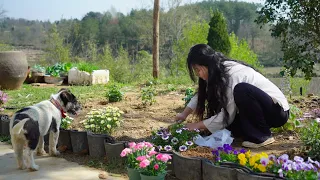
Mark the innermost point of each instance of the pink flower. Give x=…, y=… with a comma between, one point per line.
x=156, y=166
x=139, y=146
x=149, y=145
x=125, y=152
x=165, y=157
x=132, y=144
x=159, y=156
x=153, y=152
x=141, y=158
x=144, y=163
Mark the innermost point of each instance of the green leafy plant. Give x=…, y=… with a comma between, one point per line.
x=310, y=137
x=148, y=95
x=104, y=120
x=188, y=95
x=38, y=68
x=176, y=138
x=87, y=67
x=66, y=122
x=114, y=94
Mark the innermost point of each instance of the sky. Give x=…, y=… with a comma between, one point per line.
x=53, y=10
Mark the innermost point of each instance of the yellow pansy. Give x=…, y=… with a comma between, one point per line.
x=242, y=159
x=248, y=154
x=262, y=168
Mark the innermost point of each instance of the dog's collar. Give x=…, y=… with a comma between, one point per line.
x=58, y=106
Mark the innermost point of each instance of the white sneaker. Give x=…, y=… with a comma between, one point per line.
x=254, y=145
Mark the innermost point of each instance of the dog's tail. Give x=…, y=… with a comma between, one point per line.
x=16, y=129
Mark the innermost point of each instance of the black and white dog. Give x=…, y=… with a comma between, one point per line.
x=29, y=125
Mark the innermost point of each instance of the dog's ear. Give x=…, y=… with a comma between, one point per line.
x=64, y=89
x=66, y=96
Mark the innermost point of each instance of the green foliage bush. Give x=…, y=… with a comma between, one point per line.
x=148, y=95
x=240, y=50
x=86, y=66
x=218, y=33
x=310, y=136
x=193, y=33
x=114, y=94
x=188, y=95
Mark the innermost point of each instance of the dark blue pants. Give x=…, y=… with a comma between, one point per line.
x=257, y=114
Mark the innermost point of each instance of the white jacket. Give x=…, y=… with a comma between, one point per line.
x=240, y=73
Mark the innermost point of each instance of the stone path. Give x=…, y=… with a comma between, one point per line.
x=51, y=168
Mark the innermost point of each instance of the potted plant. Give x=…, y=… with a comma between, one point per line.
x=53, y=74
x=153, y=166
x=5, y=119
x=64, y=136
x=143, y=162
x=87, y=74
x=100, y=124
x=227, y=160
x=79, y=141
x=174, y=140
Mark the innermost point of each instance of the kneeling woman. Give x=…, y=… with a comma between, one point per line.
x=234, y=96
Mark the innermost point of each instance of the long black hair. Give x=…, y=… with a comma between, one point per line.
x=213, y=91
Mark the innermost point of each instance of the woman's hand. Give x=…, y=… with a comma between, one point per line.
x=180, y=117
x=198, y=125
x=183, y=116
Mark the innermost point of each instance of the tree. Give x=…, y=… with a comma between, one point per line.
x=56, y=50
x=155, y=49
x=299, y=31
x=218, y=33
x=194, y=33
x=240, y=50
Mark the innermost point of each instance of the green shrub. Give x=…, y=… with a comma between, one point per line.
x=87, y=67
x=188, y=95
x=103, y=121
x=148, y=95
x=240, y=50
x=114, y=94
x=218, y=33
x=310, y=137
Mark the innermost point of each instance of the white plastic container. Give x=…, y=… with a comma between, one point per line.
x=77, y=77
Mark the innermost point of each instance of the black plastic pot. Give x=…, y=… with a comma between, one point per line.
x=5, y=122
x=64, y=139
x=79, y=141
x=170, y=168
x=187, y=168
x=96, y=144
x=113, y=150
x=213, y=172
x=241, y=175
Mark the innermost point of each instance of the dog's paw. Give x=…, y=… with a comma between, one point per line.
x=41, y=152
x=54, y=153
x=22, y=167
x=34, y=168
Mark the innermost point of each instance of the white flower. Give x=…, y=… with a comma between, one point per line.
x=109, y=126
x=174, y=140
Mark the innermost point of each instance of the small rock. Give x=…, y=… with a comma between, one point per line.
x=290, y=138
x=103, y=175
x=309, y=95
x=62, y=148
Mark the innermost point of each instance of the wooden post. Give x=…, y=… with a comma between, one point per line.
x=155, y=48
